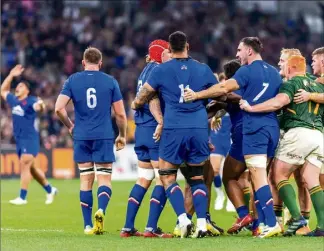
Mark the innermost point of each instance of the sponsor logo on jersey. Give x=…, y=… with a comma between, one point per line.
x=17, y=110
x=294, y=156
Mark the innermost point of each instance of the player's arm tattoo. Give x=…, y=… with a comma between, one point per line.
x=219, y=89
x=144, y=96
x=155, y=109
x=273, y=104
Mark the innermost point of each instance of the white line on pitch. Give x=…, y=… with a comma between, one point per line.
x=31, y=230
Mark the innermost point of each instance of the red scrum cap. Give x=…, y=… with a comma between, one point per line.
x=156, y=48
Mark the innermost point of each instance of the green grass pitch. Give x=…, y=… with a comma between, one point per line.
x=37, y=226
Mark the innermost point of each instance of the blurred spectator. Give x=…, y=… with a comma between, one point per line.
x=49, y=38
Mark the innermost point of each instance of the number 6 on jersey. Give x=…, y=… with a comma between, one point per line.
x=91, y=98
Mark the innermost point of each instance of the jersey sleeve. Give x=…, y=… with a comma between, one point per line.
x=210, y=77
x=31, y=101
x=12, y=100
x=288, y=88
x=116, y=95
x=242, y=76
x=154, y=78
x=66, y=90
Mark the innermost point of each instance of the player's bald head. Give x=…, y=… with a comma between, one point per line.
x=178, y=41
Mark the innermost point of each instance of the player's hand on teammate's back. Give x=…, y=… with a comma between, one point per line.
x=301, y=96
x=189, y=95
x=245, y=106
x=17, y=70
x=120, y=143
x=215, y=123
x=158, y=132
x=320, y=80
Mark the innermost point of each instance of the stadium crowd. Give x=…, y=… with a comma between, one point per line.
x=50, y=46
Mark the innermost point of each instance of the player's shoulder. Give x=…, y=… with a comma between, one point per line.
x=32, y=98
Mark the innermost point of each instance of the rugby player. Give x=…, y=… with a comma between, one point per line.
x=258, y=82
x=221, y=139
x=147, y=135
x=24, y=109
x=93, y=93
x=302, y=144
x=304, y=96
x=184, y=137
x=303, y=194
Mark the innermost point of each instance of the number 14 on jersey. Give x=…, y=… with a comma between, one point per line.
x=181, y=100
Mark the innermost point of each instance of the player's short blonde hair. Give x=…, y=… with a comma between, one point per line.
x=290, y=52
x=92, y=55
x=297, y=62
x=318, y=51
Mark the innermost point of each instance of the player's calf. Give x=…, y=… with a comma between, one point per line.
x=86, y=198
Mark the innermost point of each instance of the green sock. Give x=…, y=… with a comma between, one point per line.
x=278, y=210
x=317, y=197
x=247, y=195
x=288, y=195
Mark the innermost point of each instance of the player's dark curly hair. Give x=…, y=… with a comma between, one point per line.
x=178, y=41
x=254, y=43
x=231, y=67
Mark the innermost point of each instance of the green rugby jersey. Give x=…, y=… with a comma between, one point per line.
x=307, y=114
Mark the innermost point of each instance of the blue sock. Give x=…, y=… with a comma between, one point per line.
x=217, y=181
x=265, y=198
x=261, y=218
x=175, y=196
x=157, y=203
x=242, y=211
x=48, y=188
x=104, y=195
x=86, y=201
x=23, y=194
x=134, y=201
x=199, y=197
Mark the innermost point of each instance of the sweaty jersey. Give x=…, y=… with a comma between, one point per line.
x=92, y=93
x=258, y=82
x=23, y=117
x=143, y=116
x=307, y=114
x=171, y=79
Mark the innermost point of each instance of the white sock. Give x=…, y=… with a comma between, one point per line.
x=183, y=219
x=219, y=191
x=202, y=224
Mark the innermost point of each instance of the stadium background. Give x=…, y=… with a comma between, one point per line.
x=48, y=38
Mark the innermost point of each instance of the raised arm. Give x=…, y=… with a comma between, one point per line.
x=144, y=96
x=121, y=121
x=60, y=111
x=270, y=105
x=6, y=85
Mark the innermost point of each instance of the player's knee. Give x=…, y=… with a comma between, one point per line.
x=147, y=174
x=194, y=175
x=26, y=161
x=168, y=176
x=257, y=161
